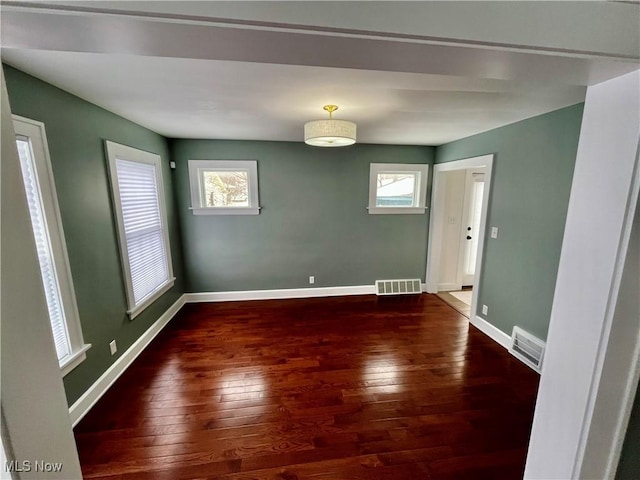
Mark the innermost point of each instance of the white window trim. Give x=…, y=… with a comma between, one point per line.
x=114, y=151
x=196, y=167
x=36, y=133
x=423, y=172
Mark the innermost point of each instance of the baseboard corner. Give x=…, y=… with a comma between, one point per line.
x=491, y=331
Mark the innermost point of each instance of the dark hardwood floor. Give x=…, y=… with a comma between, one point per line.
x=358, y=387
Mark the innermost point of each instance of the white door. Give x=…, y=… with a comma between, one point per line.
x=471, y=214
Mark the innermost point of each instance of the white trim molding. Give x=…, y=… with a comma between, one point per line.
x=82, y=406
x=497, y=335
x=280, y=293
x=420, y=171
x=436, y=222
x=135, y=260
x=197, y=170
x=493, y=332
x=591, y=355
x=35, y=134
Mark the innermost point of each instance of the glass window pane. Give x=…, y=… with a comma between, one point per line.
x=396, y=189
x=143, y=228
x=226, y=188
x=43, y=248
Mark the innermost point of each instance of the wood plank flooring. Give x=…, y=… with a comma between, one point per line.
x=359, y=387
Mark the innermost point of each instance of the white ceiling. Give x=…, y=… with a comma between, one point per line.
x=238, y=77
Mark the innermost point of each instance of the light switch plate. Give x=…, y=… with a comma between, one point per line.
x=113, y=348
x=494, y=232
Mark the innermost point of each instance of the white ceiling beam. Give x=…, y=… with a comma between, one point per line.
x=597, y=28
x=116, y=34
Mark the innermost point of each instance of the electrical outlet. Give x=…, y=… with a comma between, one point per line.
x=494, y=232
x=113, y=347
x=312, y=280
x=485, y=310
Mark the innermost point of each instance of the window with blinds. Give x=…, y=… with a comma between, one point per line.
x=49, y=243
x=136, y=180
x=45, y=256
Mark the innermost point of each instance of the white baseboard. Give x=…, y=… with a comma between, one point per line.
x=281, y=293
x=448, y=287
x=82, y=406
x=491, y=331
x=498, y=336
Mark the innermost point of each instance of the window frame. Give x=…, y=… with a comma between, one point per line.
x=35, y=132
x=115, y=151
x=419, y=195
x=198, y=167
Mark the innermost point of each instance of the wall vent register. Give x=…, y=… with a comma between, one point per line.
x=527, y=348
x=398, y=287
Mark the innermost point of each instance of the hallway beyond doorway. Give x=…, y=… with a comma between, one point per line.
x=460, y=300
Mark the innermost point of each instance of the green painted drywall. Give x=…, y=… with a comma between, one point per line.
x=76, y=131
x=314, y=220
x=531, y=181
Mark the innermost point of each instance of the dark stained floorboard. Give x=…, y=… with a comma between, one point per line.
x=359, y=387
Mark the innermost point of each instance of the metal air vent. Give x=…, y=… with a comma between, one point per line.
x=398, y=287
x=527, y=348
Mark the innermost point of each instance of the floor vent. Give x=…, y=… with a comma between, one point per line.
x=527, y=348
x=398, y=287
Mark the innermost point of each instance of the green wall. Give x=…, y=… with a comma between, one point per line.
x=314, y=220
x=532, y=174
x=76, y=131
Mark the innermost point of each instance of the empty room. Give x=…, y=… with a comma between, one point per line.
x=320, y=240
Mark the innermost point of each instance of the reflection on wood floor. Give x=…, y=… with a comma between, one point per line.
x=358, y=387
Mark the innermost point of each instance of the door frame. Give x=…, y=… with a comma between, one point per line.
x=436, y=223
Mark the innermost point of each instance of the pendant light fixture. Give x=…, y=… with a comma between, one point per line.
x=330, y=133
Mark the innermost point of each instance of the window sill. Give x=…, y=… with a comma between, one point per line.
x=161, y=290
x=74, y=360
x=396, y=210
x=227, y=211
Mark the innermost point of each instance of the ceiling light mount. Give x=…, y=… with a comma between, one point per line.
x=330, y=133
x=330, y=109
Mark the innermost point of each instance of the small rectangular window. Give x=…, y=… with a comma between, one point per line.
x=138, y=198
x=224, y=187
x=44, y=212
x=397, y=188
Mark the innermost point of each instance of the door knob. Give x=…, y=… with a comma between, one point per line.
x=468, y=237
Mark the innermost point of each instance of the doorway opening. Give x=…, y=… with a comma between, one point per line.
x=459, y=208
x=464, y=191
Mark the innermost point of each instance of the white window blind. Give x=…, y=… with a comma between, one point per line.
x=139, y=203
x=57, y=282
x=143, y=227
x=43, y=247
